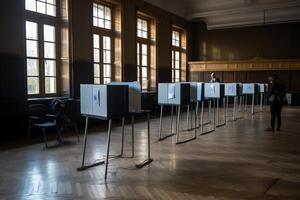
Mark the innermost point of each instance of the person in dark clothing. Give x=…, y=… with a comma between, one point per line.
x=277, y=99
x=213, y=78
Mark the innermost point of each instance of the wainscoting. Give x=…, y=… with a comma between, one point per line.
x=254, y=70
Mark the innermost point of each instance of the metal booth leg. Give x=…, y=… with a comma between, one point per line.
x=196, y=117
x=209, y=111
x=218, y=112
x=149, y=159
x=202, y=111
x=226, y=108
x=188, y=116
x=160, y=122
x=172, y=110
x=178, y=129
x=214, y=113
x=234, y=108
x=84, y=140
x=261, y=101
x=83, y=167
x=107, y=147
x=160, y=125
x=45, y=137
x=246, y=102
x=252, y=109
x=218, y=115
x=178, y=123
x=123, y=133
x=132, y=135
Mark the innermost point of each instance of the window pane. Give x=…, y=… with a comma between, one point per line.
x=30, y=5
x=107, y=80
x=96, y=41
x=144, y=60
x=96, y=70
x=144, y=34
x=31, y=48
x=100, y=10
x=95, y=11
x=51, y=1
x=50, y=85
x=50, y=68
x=31, y=30
x=106, y=56
x=144, y=84
x=144, y=49
x=177, y=64
x=49, y=33
x=33, y=85
x=96, y=55
x=177, y=55
x=177, y=74
x=144, y=72
x=106, y=71
x=139, y=24
x=107, y=13
x=41, y=7
x=95, y=21
x=106, y=43
x=49, y=50
x=100, y=23
x=107, y=24
x=97, y=80
x=139, y=33
x=51, y=10
x=32, y=67
x=144, y=25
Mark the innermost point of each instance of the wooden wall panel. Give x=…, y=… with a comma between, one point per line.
x=228, y=77
x=290, y=78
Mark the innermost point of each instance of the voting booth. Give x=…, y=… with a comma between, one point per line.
x=106, y=102
x=173, y=93
x=250, y=89
x=134, y=95
x=200, y=92
x=214, y=90
x=232, y=90
x=263, y=90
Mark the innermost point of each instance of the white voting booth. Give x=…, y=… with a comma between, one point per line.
x=250, y=89
x=134, y=95
x=232, y=90
x=262, y=93
x=112, y=101
x=103, y=101
x=175, y=95
x=215, y=91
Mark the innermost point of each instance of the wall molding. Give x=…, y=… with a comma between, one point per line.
x=255, y=64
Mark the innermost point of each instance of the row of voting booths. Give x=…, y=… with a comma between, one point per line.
x=121, y=100
x=179, y=96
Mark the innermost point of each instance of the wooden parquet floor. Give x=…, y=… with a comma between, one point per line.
x=237, y=161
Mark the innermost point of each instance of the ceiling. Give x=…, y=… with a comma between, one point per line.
x=219, y=14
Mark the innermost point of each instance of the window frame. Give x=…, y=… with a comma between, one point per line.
x=175, y=49
x=101, y=32
x=43, y=19
x=147, y=41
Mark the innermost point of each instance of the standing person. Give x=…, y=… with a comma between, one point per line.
x=213, y=78
x=277, y=99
